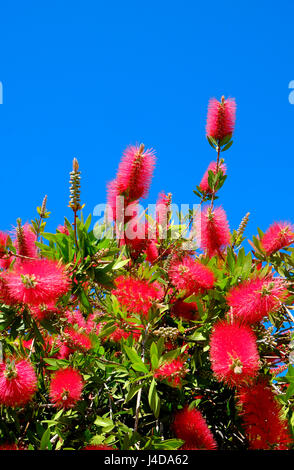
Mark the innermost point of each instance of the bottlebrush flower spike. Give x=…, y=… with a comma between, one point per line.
x=204, y=186
x=173, y=371
x=137, y=295
x=264, y=425
x=75, y=187
x=25, y=242
x=279, y=235
x=221, y=118
x=151, y=251
x=135, y=172
x=254, y=299
x=214, y=232
x=233, y=353
x=35, y=282
x=66, y=388
x=190, y=276
x=18, y=382
x=190, y=426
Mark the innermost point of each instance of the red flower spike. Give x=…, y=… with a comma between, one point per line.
x=214, y=231
x=66, y=388
x=278, y=235
x=191, y=276
x=233, y=353
x=135, y=172
x=252, y=300
x=264, y=425
x=190, y=426
x=137, y=295
x=221, y=118
x=18, y=383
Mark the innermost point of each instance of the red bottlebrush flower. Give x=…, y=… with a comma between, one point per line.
x=35, y=282
x=279, y=235
x=204, y=186
x=18, y=383
x=172, y=371
x=233, y=353
x=77, y=339
x=151, y=251
x=264, y=425
x=190, y=275
x=136, y=295
x=135, y=172
x=25, y=242
x=98, y=447
x=221, y=118
x=190, y=426
x=252, y=300
x=214, y=232
x=66, y=388
x=186, y=310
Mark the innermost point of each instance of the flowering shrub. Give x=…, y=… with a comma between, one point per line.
x=133, y=335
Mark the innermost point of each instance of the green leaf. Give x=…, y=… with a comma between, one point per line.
x=168, y=444
x=135, y=359
x=226, y=147
x=120, y=264
x=45, y=439
x=154, y=355
x=153, y=399
x=103, y=422
x=133, y=391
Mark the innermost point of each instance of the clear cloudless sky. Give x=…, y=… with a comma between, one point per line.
x=86, y=78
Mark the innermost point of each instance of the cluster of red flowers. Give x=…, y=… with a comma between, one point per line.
x=36, y=285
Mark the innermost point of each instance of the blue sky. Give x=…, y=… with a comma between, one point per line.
x=86, y=78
